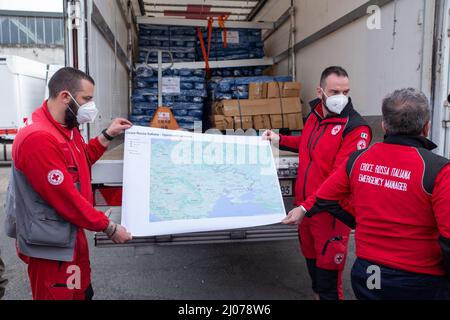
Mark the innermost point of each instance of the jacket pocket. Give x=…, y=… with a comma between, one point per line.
x=47, y=228
x=53, y=233
x=334, y=253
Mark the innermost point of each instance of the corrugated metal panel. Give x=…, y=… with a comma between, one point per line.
x=237, y=10
x=267, y=233
x=378, y=61
x=111, y=78
x=111, y=12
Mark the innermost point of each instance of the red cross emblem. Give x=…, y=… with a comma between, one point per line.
x=362, y=144
x=339, y=258
x=55, y=177
x=336, y=130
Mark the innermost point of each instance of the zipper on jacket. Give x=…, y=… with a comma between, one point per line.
x=306, y=177
x=320, y=136
x=338, y=238
x=310, y=160
x=311, y=138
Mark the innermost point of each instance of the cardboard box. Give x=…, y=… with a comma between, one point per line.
x=222, y=123
x=287, y=89
x=244, y=122
x=257, y=91
x=261, y=122
x=295, y=121
x=233, y=108
x=292, y=121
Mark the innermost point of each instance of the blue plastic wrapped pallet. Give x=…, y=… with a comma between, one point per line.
x=184, y=91
x=237, y=87
x=238, y=72
x=240, y=44
x=181, y=41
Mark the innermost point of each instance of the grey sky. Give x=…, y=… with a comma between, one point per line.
x=32, y=5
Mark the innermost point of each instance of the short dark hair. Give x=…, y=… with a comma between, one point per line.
x=406, y=112
x=67, y=79
x=339, y=71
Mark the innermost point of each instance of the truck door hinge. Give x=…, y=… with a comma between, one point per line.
x=74, y=15
x=446, y=117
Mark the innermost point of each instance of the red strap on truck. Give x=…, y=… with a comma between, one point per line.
x=202, y=44
x=222, y=20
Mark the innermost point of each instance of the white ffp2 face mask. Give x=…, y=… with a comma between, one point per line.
x=336, y=104
x=86, y=113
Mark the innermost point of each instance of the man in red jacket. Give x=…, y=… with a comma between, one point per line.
x=333, y=131
x=50, y=200
x=400, y=194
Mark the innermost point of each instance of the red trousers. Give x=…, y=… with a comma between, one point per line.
x=59, y=280
x=324, y=240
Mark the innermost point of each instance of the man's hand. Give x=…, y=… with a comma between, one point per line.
x=295, y=216
x=118, y=126
x=116, y=232
x=271, y=136
x=121, y=235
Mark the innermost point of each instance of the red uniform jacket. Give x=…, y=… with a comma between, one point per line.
x=324, y=145
x=400, y=193
x=54, y=168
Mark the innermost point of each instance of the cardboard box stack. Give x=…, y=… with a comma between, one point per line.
x=271, y=105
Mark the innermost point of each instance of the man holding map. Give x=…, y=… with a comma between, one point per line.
x=49, y=200
x=333, y=131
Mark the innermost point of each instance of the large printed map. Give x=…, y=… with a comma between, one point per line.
x=193, y=191
x=179, y=182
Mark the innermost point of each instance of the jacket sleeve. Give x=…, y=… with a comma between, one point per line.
x=290, y=142
x=441, y=208
x=95, y=150
x=329, y=196
x=3, y=281
x=61, y=194
x=357, y=139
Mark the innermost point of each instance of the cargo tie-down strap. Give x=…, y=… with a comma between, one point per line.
x=222, y=20
x=202, y=44
x=206, y=53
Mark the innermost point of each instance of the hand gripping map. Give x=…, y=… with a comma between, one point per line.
x=182, y=182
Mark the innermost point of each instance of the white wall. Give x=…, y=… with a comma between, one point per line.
x=377, y=61
x=44, y=55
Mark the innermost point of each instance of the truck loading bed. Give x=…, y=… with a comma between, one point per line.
x=107, y=172
x=275, y=232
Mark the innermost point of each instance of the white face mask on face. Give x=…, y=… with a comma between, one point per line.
x=86, y=113
x=336, y=104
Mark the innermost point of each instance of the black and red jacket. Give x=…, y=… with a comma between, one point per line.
x=324, y=145
x=400, y=194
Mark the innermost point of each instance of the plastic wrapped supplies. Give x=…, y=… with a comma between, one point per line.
x=184, y=90
x=240, y=44
x=181, y=41
x=237, y=87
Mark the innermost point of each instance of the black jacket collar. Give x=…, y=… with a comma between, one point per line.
x=345, y=113
x=411, y=141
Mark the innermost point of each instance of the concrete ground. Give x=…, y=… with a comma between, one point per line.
x=253, y=271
